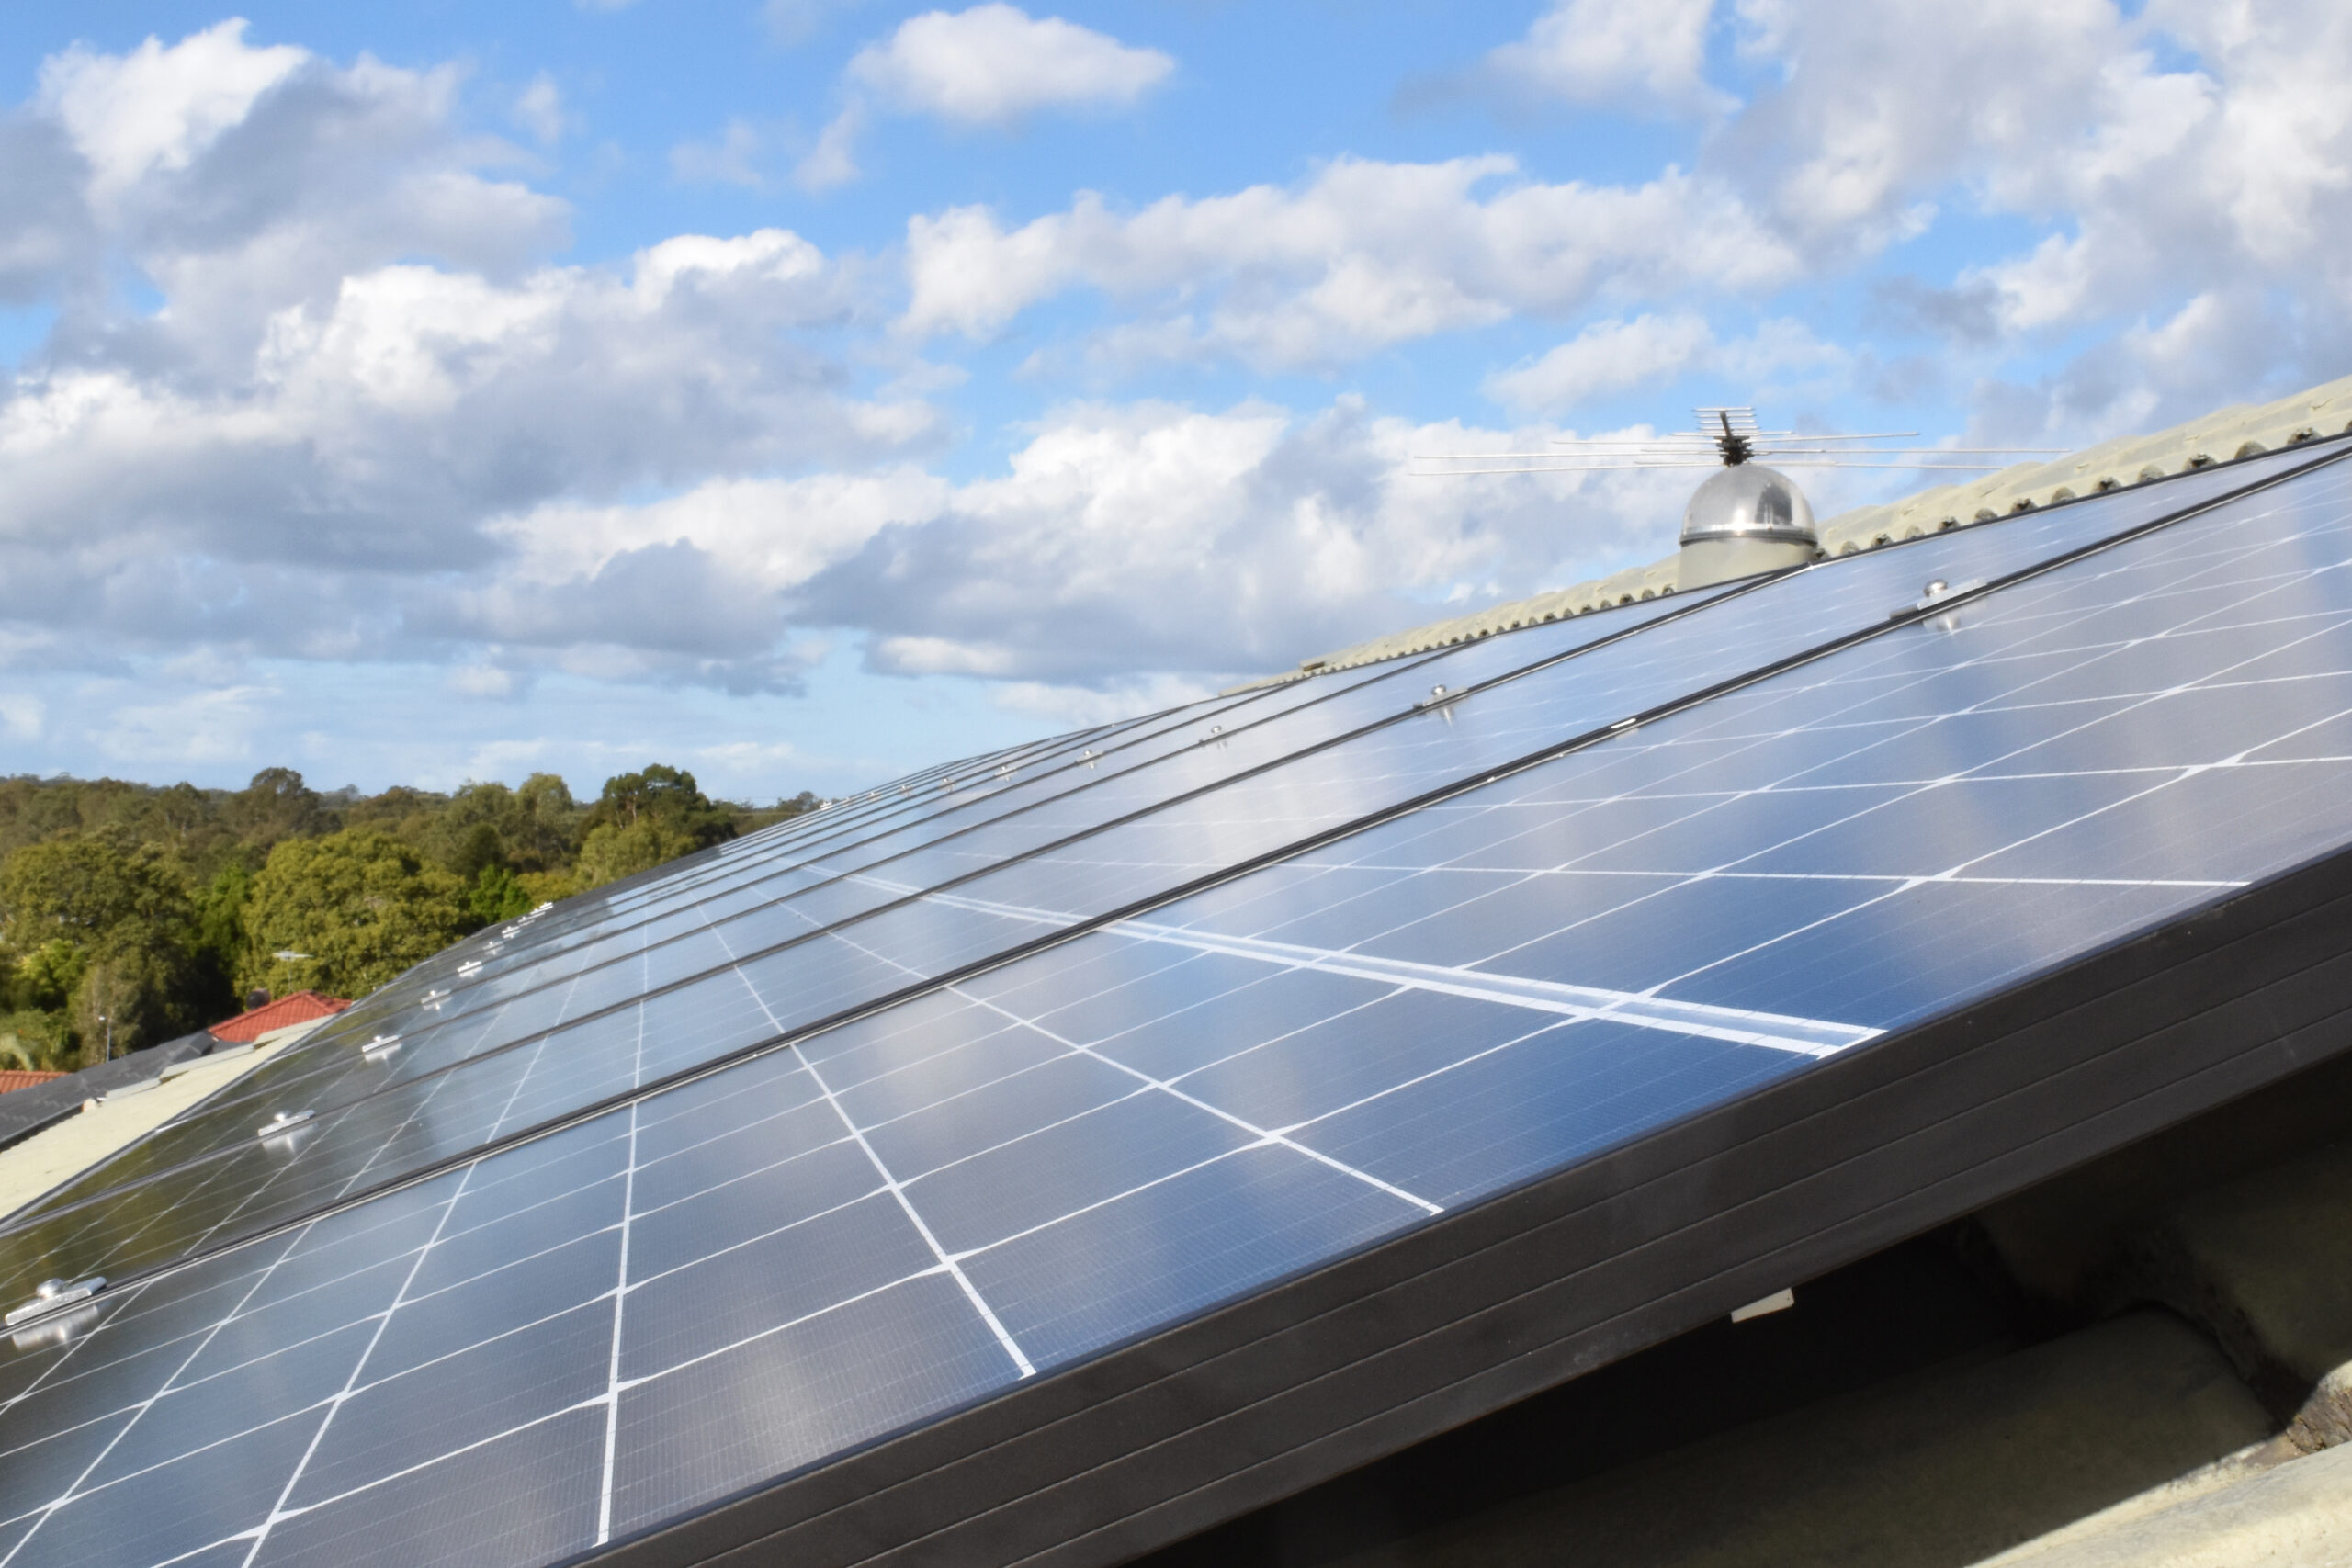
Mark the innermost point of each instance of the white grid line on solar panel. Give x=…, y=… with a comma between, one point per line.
x=355, y=1385
x=1285, y=703
x=2077, y=520
x=358, y=1370
x=412, y=1468
x=268, y=1083
x=620, y=1303
x=2172, y=779
x=203, y=1340
x=1280, y=700
x=897, y=1191
x=1259, y=1135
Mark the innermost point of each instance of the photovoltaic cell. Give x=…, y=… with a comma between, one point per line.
x=564, y=1342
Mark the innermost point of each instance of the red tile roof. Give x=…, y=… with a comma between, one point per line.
x=20, y=1077
x=299, y=1008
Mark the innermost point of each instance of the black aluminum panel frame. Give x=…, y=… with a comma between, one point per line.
x=1165, y=1437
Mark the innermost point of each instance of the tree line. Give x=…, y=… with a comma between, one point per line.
x=132, y=914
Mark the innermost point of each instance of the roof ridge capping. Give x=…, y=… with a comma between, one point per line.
x=2242, y=430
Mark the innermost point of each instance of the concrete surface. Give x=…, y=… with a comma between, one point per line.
x=2295, y=1515
x=2264, y=1264
x=1932, y=1471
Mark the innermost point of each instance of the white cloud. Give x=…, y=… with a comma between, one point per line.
x=1157, y=541
x=360, y=362
x=1607, y=357
x=156, y=108
x=1075, y=707
x=23, y=716
x=1645, y=54
x=1615, y=355
x=539, y=109
x=202, y=727
x=791, y=21
x=732, y=160
x=995, y=63
x=833, y=160
x=1364, y=255
x=2163, y=154
x=481, y=681
x=1123, y=556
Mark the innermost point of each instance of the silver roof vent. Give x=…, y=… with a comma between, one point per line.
x=1747, y=518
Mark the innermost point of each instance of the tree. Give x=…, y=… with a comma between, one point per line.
x=498, y=894
x=47, y=977
x=81, y=886
x=664, y=796
x=546, y=826
x=139, y=988
x=362, y=906
x=277, y=805
x=611, y=852
x=106, y=932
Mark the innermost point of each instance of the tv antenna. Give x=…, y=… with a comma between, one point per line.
x=1729, y=436
x=1748, y=516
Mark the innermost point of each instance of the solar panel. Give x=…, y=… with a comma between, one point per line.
x=1066, y=1190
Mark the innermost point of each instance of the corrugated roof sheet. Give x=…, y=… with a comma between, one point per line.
x=2240, y=431
x=301, y=1007
x=20, y=1077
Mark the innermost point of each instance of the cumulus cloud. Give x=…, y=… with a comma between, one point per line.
x=991, y=66
x=360, y=362
x=155, y=109
x=731, y=158
x=2168, y=152
x=1363, y=256
x=1123, y=555
x=1605, y=357
x=540, y=109
x=833, y=160
x=1641, y=54
x=994, y=65
x=1613, y=356
x=1145, y=540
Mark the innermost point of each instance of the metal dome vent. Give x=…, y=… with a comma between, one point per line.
x=1745, y=519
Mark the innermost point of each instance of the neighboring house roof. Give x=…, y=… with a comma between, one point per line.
x=299, y=1008
x=2240, y=431
x=20, y=1077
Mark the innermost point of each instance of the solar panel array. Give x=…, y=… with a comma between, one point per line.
x=721, y=1173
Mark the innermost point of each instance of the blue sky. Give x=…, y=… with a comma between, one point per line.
x=801, y=391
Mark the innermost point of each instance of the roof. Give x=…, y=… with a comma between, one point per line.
x=2240, y=430
x=13, y=1078
x=301, y=1007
